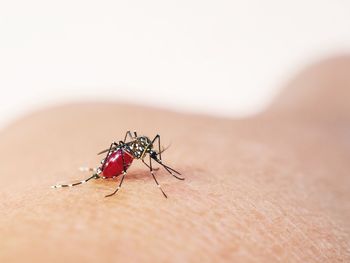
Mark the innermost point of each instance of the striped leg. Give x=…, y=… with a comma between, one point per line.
x=154, y=177
x=94, y=176
x=119, y=186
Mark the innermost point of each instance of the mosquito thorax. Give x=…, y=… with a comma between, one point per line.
x=139, y=146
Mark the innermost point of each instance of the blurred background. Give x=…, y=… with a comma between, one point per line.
x=227, y=58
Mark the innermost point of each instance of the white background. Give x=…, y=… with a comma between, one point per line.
x=218, y=57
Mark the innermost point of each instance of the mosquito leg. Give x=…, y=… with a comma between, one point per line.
x=154, y=177
x=119, y=186
x=121, y=181
x=94, y=176
x=159, y=151
x=113, y=144
x=130, y=135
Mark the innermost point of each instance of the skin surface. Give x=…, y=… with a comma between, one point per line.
x=271, y=188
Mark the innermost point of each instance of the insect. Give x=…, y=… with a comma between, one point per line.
x=120, y=156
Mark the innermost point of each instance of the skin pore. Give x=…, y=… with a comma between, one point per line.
x=270, y=188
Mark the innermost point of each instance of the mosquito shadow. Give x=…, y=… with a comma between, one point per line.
x=139, y=174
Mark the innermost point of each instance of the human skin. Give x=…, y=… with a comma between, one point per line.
x=270, y=188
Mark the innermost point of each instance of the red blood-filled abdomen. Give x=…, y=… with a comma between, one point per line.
x=114, y=164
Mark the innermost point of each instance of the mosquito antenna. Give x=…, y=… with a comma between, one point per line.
x=164, y=149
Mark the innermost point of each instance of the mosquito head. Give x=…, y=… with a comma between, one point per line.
x=153, y=155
